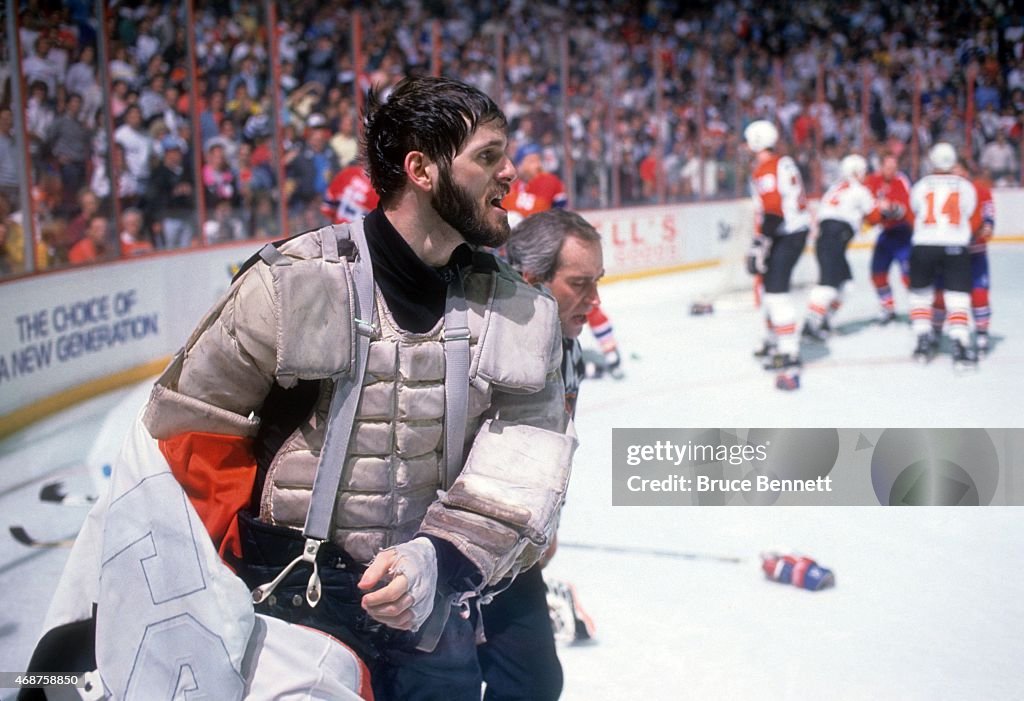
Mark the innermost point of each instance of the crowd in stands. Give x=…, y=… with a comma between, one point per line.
x=720, y=65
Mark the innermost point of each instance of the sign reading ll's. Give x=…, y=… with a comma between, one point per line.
x=643, y=238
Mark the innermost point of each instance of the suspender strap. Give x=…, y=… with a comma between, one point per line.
x=456, y=378
x=342, y=415
x=340, y=420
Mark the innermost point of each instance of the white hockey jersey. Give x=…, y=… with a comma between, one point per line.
x=847, y=201
x=944, y=206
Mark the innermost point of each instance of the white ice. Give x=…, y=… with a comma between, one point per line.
x=927, y=603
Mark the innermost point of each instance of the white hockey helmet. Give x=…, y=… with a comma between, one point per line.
x=761, y=135
x=942, y=156
x=854, y=166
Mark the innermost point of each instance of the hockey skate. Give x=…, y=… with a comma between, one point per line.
x=788, y=367
x=779, y=361
x=885, y=317
x=964, y=357
x=814, y=333
x=927, y=345
x=981, y=343
x=766, y=351
x=569, y=621
x=613, y=365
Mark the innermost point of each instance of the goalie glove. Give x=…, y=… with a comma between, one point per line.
x=757, y=256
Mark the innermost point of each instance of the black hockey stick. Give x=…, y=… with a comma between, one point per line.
x=653, y=552
x=22, y=536
x=54, y=492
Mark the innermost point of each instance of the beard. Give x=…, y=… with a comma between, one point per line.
x=456, y=207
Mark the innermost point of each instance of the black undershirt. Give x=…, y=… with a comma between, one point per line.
x=415, y=292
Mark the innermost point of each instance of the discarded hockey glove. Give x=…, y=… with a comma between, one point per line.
x=801, y=572
x=757, y=256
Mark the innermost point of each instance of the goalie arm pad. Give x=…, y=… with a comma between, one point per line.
x=502, y=511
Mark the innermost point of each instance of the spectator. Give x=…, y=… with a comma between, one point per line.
x=39, y=116
x=137, y=145
x=346, y=141
x=70, y=144
x=218, y=179
x=132, y=237
x=152, y=100
x=94, y=246
x=81, y=78
x=6, y=265
x=252, y=177
x=10, y=186
x=88, y=207
x=119, y=99
x=1000, y=159
x=315, y=164
x=225, y=225
x=129, y=190
x=42, y=67
x=700, y=176
x=170, y=200
x=211, y=117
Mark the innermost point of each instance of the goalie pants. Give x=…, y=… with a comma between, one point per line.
x=398, y=672
x=519, y=660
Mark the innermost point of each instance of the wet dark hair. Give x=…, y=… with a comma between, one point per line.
x=433, y=115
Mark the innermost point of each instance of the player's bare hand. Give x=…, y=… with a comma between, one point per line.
x=400, y=583
x=390, y=604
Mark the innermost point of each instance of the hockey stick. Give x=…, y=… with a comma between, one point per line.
x=22, y=536
x=54, y=492
x=653, y=552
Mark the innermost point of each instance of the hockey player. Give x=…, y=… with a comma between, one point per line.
x=349, y=195
x=946, y=212
x=562, y=251
x=353, y=448
x=842, y=211
x=780, y=235
x=891, y=189
x=534, y=191
x=980, y=310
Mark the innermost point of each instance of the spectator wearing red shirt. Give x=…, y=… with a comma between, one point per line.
x=93, y=246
